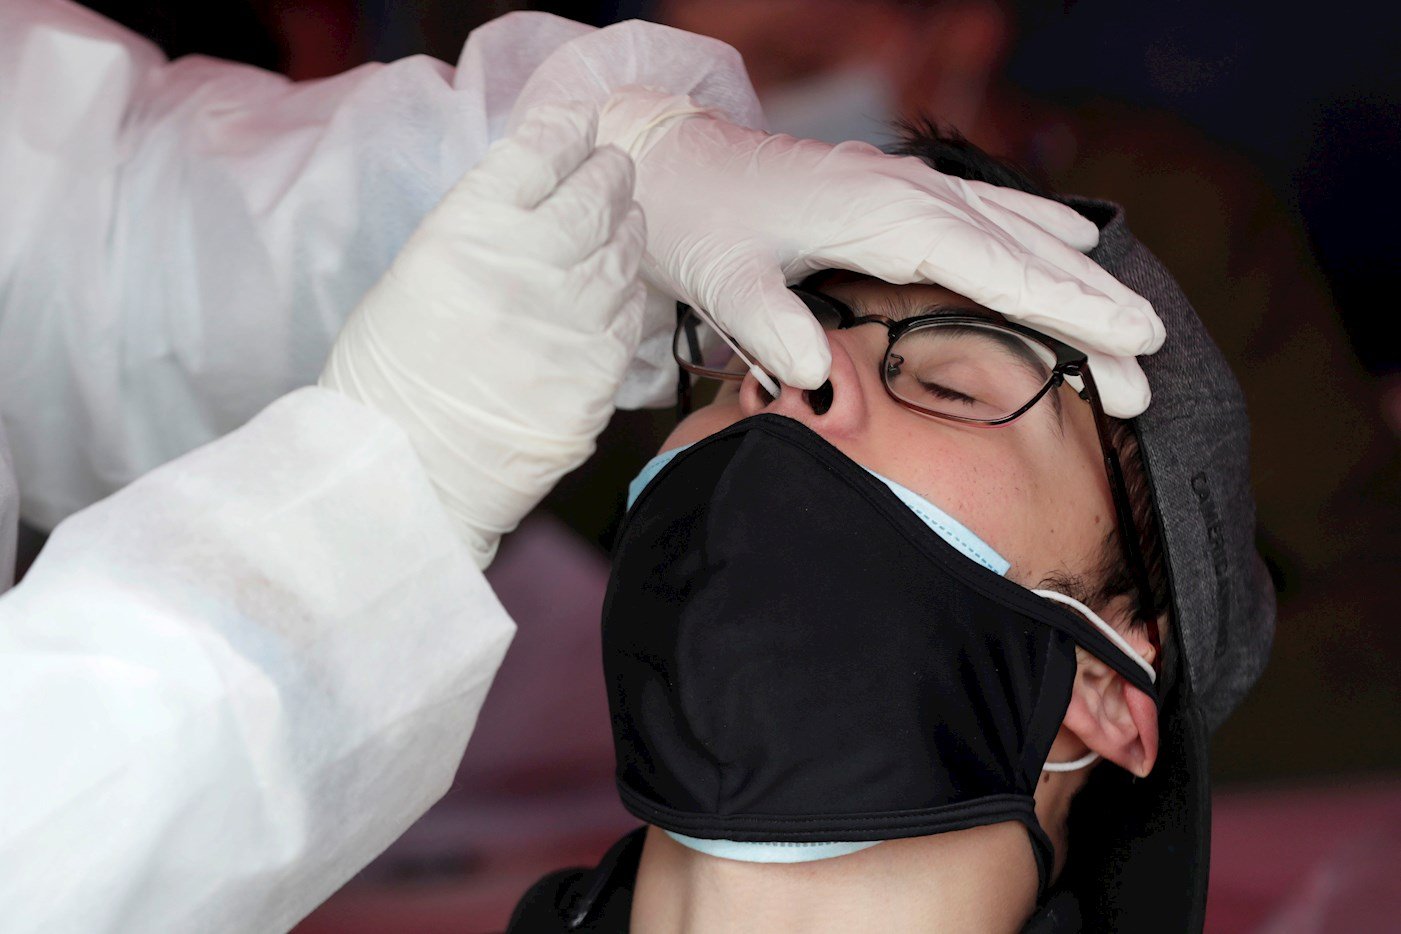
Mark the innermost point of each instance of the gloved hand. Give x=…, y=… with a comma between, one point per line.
x=498, y=337
x=734, y=214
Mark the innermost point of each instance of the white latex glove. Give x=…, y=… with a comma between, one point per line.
x=500, y=334
x=734, y=215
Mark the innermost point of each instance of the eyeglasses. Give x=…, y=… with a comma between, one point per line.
x=960, y=367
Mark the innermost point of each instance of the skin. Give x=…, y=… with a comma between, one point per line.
x=1036, y=491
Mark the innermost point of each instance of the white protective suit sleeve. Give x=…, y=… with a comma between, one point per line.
x=224, y=691
x=181, y=241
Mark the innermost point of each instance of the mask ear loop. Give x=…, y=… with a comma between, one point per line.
x=1109, y=632
x=1119, y=642
x=1074, y=765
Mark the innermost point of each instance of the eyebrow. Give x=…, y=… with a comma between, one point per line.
x=897, y=309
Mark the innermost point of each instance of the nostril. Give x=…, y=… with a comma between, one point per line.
x=819, y=399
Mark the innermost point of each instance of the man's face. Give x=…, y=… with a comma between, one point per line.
x=1034, y=489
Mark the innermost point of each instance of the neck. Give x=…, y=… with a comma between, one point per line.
x=983, y=879
x=1055, y=792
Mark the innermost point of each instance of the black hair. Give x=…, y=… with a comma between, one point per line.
x=944, y=149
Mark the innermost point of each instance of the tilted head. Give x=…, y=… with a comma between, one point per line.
x=1035, y=491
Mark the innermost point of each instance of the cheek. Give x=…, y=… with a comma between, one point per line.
x=999, y=482
x=1057, y=516
x=991, y=491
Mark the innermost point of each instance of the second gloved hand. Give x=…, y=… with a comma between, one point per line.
x=734, y=215
x=500, y=334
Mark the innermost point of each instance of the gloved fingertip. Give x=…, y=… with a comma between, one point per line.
x=1126, y=404
x=1079, y=232
x=1141, y=321
x=771, y=323
x=1159, y=332
x=1059, y=220
x=1065, y=224
x=1105, y=326
x=796, y=350
x=1123, y=387
x=806, y=370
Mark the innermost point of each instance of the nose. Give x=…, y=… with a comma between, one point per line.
x=837, y=407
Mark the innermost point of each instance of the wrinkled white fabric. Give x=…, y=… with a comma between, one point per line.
x=230, y=685
x=500, y=335
x=180, y=242
x=735, y=215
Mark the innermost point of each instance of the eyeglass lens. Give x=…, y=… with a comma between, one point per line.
x=967, y=369
x=700, y=348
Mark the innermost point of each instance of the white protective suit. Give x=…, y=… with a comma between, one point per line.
x=227, y=687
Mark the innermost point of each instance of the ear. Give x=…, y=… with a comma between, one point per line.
x=1111, y=716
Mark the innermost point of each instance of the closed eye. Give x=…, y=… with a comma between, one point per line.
x=944, y=392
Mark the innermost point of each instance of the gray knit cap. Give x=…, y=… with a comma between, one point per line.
x=1142, y=846
x=1195, y=439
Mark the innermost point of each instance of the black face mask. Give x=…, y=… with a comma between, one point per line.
x=793, y=656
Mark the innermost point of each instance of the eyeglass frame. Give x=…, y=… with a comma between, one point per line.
x=1070, y=362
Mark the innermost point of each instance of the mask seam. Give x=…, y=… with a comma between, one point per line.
x=1029, y=767
x=963, y=813
x=950, y=536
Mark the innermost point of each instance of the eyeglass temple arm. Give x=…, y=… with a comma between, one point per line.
x=1128, y=531
x=683, y=378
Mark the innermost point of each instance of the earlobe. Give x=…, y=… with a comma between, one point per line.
x=1111, y=716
